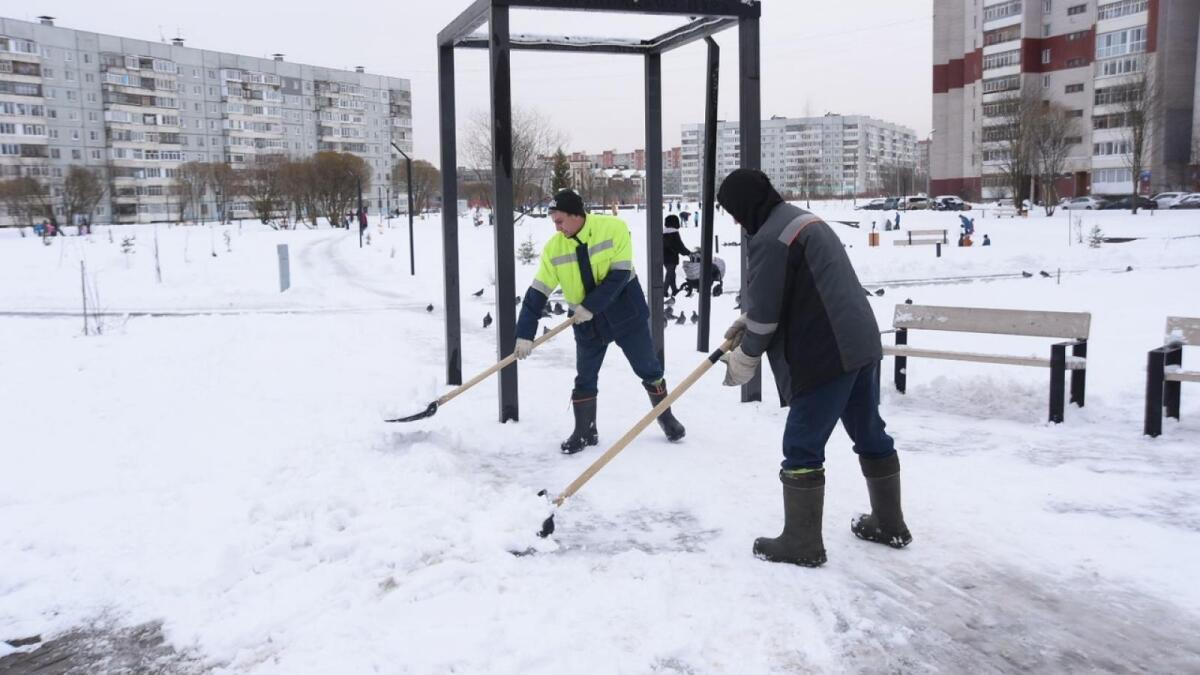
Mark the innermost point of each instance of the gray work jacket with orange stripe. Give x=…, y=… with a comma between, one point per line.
x=804, y=304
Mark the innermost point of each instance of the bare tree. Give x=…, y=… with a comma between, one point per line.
x=226, y=184
x=425, y=181
x=338, y=176
x=299, y=186
x=263, y=185
x=26, y=199
x=1014, y=136
x=191, y=180
x=533, y=137
x=82, y=191
x=1052, y=134
x=1139, y=99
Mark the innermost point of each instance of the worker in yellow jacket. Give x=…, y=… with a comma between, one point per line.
x=591, y=258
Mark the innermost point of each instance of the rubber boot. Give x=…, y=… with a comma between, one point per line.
x=584, y=405
x=885, y=523
x=803, y=504
x=670, y=426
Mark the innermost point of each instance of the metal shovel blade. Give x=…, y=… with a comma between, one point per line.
x=430, y=411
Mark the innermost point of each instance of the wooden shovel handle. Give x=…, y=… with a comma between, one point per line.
x=643, y=423
x=499, y=365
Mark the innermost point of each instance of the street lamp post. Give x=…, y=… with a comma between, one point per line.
x=412, y=256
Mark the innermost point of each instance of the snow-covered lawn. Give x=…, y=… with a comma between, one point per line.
x=217, y=462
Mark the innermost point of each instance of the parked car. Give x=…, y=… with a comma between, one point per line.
x=1088, y=203
x=913, y=203
x=1191, y=201
x=950, y=203
x=1124, y=203
x=1166, y=200
x=876, y=204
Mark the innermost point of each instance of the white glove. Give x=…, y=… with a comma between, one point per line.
x=736, y=331
x=739, y=368
x=581, y=314
x=524, y=348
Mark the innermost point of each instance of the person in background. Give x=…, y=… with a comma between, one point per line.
x=673, y=247
x=986, y=241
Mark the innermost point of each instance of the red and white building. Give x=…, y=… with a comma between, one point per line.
x=1075, y=53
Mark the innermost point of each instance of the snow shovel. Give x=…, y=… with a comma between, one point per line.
x=548, y=524
x=432, y=408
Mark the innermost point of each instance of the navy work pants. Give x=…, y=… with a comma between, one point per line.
x=638, y=348
x=852, y=398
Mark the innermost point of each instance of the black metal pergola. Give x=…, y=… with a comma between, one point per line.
x=705, y=18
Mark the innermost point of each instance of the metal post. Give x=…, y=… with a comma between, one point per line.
x=749, y=115
x=502, y=201
x=1079, y=377
x=655, y=288
x=1156, y=362
x=412, y=246
x=709, y=178
x=900, y=376
x=1172, y=388
x=1058, y=381
x=449, y=214
x=360, y=213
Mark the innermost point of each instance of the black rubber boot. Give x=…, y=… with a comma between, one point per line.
x=885, y=523
x=584, y=405
x=670, y=426
x=803, y=504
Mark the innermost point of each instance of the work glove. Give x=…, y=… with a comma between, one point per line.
x=524, y=348
x=736, y=331
x=581, y=314
x=739, y=368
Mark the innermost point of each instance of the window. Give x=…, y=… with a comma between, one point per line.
x=1113, y=121
x=1113, y=10
x=1103, y=148
x=1121, y=42
x=1073, y=140
x=1046, y=30
x=1075, y=113
x=1077, y=62
x=1119, y=94
x=1119, y=175
x=1045, y=56
x=997, y=84
x=1002, y=59
x=76, y=154
x=1077, y=35
x=1119, y=66
x=48, y=73
x=1002, y=11
x=95, y=154
x=1074, y=88
x=1076, y=9
x=1006, y=34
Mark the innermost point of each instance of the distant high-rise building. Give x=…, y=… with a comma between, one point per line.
x=832, y=155
x=136, y=110
x=1082, y=54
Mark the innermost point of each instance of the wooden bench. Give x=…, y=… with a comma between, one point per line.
x=1074, y=326
x=1165, y=373
x=918, y=237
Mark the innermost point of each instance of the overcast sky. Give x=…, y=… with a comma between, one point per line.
x=871, y=57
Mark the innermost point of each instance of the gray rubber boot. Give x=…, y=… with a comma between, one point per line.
x=803, y=505
x=885, y=523
x=584, y=406
x=670, y=426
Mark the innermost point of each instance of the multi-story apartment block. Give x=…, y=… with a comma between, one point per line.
x=829, y=155
x=136, y=110
x=1082, y=54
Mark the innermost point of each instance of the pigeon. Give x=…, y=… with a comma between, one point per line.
x=546, y=312
x=478, y=293
x=429, y=308
x=558, y=308
x=1025, y=274
x=681, y=319
x=879, y=292
x=718, y=290
x=866, y=291
x=1129, y=268
x=545, y=329
x=670, y=313
x=908, y=301
x=1045, y=274
x=487, y=319
x=670, y=301
x=695, y=316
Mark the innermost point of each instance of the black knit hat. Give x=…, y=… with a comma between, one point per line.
x=567, y=202
x=671, y=221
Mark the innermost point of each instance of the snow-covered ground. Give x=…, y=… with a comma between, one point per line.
x=215, y=461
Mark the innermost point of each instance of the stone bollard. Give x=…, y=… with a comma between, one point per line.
x=285, y=279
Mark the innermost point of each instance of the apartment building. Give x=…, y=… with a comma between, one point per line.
x=1082, y=54
x=832, y=155
x=136, y=110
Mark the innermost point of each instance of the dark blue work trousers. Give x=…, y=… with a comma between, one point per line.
x=638, y=348
x=852, y=398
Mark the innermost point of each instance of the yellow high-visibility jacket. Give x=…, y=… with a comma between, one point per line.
x=617, y=293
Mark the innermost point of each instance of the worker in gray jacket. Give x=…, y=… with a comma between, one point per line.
x=805, y=309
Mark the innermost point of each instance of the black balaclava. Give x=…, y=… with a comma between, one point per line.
x=748, y=196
